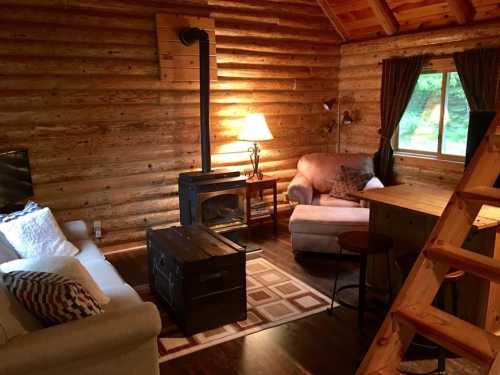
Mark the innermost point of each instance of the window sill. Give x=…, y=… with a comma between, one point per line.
x=433, y=161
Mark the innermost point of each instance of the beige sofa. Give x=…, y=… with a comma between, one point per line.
x=122, y=340
x=319, y=218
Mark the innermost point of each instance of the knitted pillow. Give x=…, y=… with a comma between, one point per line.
x=52, y=298
x=340, y=188
x=356, y=178
x=28, y=208
x=349, y=180
x=37, y=234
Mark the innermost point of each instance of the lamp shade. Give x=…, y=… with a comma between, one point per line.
x=255, y=129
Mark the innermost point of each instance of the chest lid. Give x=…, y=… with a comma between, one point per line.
x=196, y=243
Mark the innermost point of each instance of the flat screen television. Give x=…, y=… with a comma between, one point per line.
x=15, y=177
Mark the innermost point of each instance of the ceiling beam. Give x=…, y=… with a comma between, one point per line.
x=335, y=21
x=385, y=16
x=462, y=10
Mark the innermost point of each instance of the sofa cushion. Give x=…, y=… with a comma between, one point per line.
x=76, y=230
x=327, y=200
x=63, y=299
x=88, y=251
x=122, y=296
x=328, y=220
x=15, y=320
x=104, y=274
x=69, y=267
x=37, y=234
x=7, y=252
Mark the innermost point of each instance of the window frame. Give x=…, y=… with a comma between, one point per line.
x=430, y=154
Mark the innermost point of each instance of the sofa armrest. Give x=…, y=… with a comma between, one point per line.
x=300, y=190
x=76, y=230
x=64, y=343
x=373, y=183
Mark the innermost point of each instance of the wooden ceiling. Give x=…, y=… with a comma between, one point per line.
x=364, y=19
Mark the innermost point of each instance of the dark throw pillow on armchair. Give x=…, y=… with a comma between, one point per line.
x=349, y=180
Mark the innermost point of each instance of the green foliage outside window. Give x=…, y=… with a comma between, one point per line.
x=419, y=127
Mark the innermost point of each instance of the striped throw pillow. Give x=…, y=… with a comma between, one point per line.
x=28, y=208
x=52, y=298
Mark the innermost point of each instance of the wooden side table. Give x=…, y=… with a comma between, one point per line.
x=256, y=185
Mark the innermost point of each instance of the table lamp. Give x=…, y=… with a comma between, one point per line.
x=255, y=130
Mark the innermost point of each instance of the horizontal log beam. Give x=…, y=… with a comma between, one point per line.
x=335, y=21
x=462, y=10
x=384, y=16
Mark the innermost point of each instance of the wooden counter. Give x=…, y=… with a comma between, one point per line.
x=408, y=214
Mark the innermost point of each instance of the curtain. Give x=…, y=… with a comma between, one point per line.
x=478, y=70
x=399, y=77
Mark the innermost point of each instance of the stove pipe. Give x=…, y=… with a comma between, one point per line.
x=188, y=36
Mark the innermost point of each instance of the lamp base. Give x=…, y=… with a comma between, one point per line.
x=259, y=175
x=255, y=159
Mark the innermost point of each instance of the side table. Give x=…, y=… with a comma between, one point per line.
x=256, y=185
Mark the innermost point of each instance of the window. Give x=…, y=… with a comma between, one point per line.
x=437, y=117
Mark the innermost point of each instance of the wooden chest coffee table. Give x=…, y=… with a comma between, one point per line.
x=199, y=275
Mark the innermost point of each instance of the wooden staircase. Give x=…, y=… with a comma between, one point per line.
x=412, y=311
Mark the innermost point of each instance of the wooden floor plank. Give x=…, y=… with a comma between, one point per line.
x=316, y=345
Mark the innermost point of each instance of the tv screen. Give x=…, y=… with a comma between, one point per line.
x=15, y=177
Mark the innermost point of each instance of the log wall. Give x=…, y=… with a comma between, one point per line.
x=80, y=89
x=360, y=80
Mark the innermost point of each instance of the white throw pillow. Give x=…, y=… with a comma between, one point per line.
x=37, y=234
x=15, y=320
x=65, y=266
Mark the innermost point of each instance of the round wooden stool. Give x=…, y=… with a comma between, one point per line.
x=362, y=243
x=405, y=264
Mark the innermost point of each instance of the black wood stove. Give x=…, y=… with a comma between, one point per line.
x=210, y=197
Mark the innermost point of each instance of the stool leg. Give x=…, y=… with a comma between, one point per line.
x=389, y=276
x=330, y=311
x=441, y=367
x=454, y=299
x=362, y=293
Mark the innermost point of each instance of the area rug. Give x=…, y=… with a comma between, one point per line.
x=274, y=297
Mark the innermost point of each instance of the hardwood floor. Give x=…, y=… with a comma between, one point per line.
x=319, y=344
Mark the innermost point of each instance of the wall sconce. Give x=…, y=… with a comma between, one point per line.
x=346, y=119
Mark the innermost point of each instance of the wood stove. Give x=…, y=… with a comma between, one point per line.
x=214, y=199
x=210, y=197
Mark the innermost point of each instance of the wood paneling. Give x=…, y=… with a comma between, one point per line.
x=80, y=88
x=178, y=62
x=362, y=21
x=360, y=79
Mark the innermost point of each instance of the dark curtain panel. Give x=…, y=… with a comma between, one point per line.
x=399, y=77
x=478, y=70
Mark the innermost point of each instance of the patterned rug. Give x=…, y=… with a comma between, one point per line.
x=274, y=297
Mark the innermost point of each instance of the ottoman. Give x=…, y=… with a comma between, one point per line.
x=315, y=228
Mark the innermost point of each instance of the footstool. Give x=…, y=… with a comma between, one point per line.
x=315, y=228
